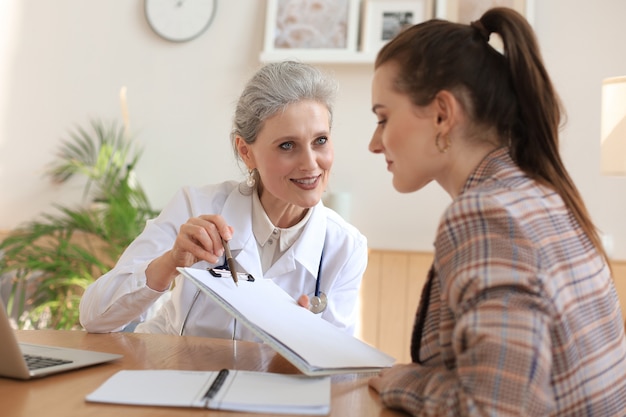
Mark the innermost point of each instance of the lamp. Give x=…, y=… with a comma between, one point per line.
x=613, y=126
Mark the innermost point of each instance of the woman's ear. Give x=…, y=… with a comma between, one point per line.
x=244, y=152
x=447, y=110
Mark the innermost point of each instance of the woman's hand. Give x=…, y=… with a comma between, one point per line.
x=387, y=377
x=200, y=239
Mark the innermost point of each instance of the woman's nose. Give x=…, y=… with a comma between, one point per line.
x=375, y=143
x=308, y=159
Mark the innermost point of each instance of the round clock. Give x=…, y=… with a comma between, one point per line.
x=180, y=20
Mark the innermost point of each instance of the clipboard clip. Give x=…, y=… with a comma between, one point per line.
x=219, y=273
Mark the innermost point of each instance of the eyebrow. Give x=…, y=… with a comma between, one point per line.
x=376, y=107
x=323, y=133
x=287, y=138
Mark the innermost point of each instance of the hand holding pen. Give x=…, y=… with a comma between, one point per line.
x=201, y=238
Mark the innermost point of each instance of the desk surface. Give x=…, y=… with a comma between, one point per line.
x=64, y=394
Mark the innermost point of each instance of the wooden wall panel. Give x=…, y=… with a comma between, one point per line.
x=393, y=317
x=390, y=293
x=370, y=303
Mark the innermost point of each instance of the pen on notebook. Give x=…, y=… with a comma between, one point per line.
x=216, y=385
x=231, y=263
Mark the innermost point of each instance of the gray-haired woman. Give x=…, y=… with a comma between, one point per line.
x=275, y=222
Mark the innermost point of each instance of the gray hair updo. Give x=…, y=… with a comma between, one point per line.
x=274, y=87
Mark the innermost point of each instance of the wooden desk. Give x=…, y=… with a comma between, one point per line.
x=63, y=395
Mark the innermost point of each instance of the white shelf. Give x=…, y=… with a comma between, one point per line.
x=319, y=56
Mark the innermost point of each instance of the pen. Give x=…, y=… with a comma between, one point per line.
x=231, y=263
x=216, y=385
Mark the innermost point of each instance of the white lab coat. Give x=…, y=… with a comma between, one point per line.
x=121, y=296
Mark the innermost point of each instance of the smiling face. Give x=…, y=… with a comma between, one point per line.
x=405, y=133
x=293, y=154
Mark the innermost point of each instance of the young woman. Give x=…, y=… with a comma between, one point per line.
x=275, y=222
x=519, y=315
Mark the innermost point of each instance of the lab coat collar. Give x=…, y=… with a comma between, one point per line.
x=306, y=251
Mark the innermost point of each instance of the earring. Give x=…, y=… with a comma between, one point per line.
x=446, y=145
x=250, y=180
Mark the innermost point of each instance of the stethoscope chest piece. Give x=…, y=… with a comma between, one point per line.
x=318, y=303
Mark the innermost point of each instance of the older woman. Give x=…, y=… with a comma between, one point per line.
x=275, y=222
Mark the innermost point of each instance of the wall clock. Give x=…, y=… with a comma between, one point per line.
x=180, y=20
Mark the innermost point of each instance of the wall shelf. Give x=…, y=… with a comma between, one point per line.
x=319, y=56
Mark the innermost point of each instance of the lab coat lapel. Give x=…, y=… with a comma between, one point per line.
x=306, y=251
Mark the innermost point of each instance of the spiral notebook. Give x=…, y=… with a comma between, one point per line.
x=246, y=391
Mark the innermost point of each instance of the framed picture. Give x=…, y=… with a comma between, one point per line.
x=466, y=11
x=384, y=19
x=321, y=26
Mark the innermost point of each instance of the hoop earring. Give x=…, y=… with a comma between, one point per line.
x=250, y=179
x=446, y=145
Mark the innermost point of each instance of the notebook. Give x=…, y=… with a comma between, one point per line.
x=26, y=361
x=247, y=391
x=311, y=344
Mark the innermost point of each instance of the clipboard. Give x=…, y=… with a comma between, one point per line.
x=311, y=344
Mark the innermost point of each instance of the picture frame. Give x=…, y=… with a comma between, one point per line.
x=300, y=27
x=384, y=19
x=466, y=11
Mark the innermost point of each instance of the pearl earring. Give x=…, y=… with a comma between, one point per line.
x=250, y=180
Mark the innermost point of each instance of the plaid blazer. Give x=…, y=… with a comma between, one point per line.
x=519, y=315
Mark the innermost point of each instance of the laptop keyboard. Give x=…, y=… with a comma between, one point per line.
x=37, y=362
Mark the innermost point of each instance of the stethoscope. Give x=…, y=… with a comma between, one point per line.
x=317, y=303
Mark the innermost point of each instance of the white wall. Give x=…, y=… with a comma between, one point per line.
x=63, y=63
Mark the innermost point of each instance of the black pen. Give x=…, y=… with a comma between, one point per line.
x=216, y=385
x=231, y=263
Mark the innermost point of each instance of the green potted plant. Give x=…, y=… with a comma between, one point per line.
x=51, y=260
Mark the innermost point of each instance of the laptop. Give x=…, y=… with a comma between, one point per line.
x=26, y=361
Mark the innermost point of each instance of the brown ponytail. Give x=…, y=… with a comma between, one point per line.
x=511, y=91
